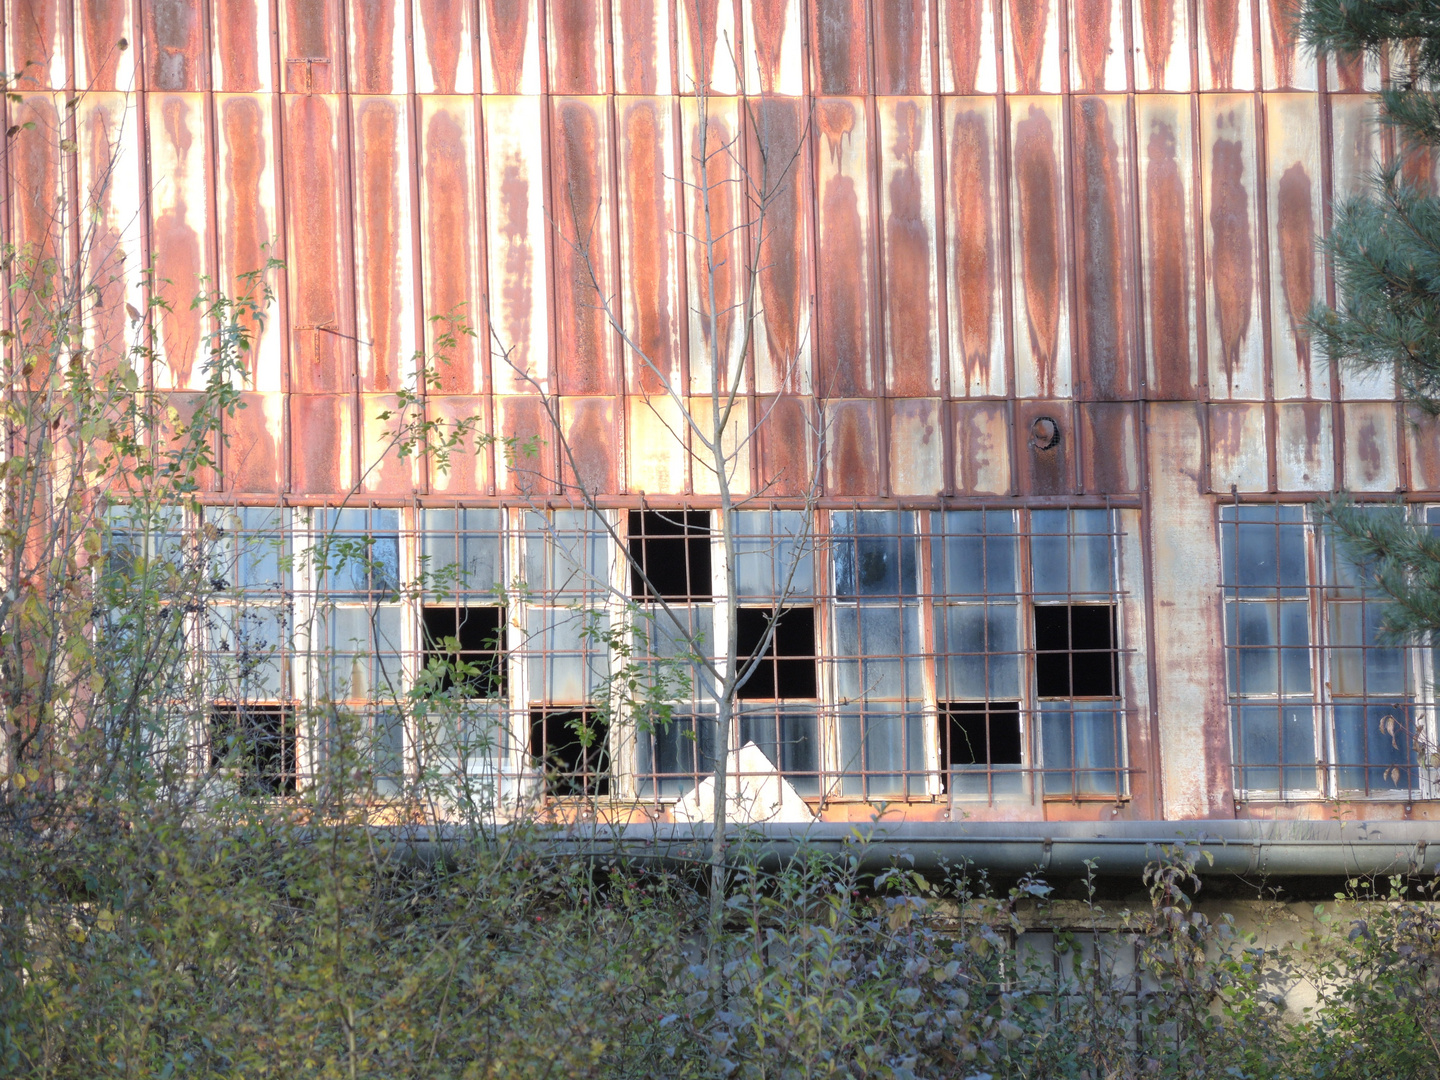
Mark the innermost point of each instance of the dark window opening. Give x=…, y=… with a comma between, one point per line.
x=572, y=746
x=672, y=548
x=788, y=667
x=981, y=732
x=465, y=649
x=1075, y=653
x=258, y=743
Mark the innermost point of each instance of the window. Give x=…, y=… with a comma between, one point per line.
x=255, y=744
x=1027, y=653
x=572, y=747
x=671, y=550
x=1320, y=704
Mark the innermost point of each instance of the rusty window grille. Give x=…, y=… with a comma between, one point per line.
x=356, y=630
x=565, y=655
x=670, y=549
x=248, y=644
x=878, y=653
x=1320, y=704
x=1027, y=653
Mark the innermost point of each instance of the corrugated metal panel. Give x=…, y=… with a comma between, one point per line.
x=782, y=345
x=1233, y=330
x=384, y=254
x=1304, y=446
x=112, y=197
x=577, y=47
x=1161, y=33
x=1033, y=47
x=527, y=466
x=968, y=47
x=852, y=442
x=917, y=450
x=716, y=245
x=450, y=242
x=179, y=241
x=1285, y=63
x=656, y=424
x=104, y=46
x=323, y=447
x=444, y=46
x=468, y=471
x=774, y=46
x=982, y=447
x=1103, y=246
x=838, y=36
x=973, y=250
x=592, y=459
x=847, y=331
x=310, y=55
x=641, y=30
x=1041, y=308
x=648, y=241
x=510, y=49
x=1227, y=45
x=1350, y=73
x=174, y=47
x=784, y=445
x=1097, y=45
x=1370, y=452
x=1238, y=447
x=248, y=218
x=1422, y=445
x=241, y=30
x=902, y=35
x=322, y=355
x=1109, y=447
x=254, y=454
x=37, y=30
x=706, y=38
x=382, y=470
x=585, y=344
x=515, y=239
x=1167, y=250
x=736, y=445
x=36, y=177
x=1045, y=469
x=376, y=44
x=911, y=272
x=1292, y=127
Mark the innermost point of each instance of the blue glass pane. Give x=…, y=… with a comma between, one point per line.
x=1080, y=745
x=878, y=744
x=462, y=551
x=773, y=554
x=1375, y=747
x=789, y=737
x=980, y=652
x=1274, y=747
x=874, y=553
x=1262, y=550
x=973, y=552
x=878, y=651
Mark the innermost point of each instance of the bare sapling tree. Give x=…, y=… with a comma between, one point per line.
x=737, y=173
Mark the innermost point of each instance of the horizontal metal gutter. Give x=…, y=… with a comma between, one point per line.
x=1056, y=849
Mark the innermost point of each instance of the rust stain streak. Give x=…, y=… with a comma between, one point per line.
x=898, y=30
x=1295, y=226
x=908, y=247
x=311, y=188
x=34, y=27
x=239, y=51
x=173, y=30
x=573, y=43
x=974, y=254
x=649, y=242
x=177, y=255
x=1104, y=335
x=1233, y=272
x=641, y=49
x=1222, y=23
x=102, y=23
x=701, y=18
x=378, y=192
x=447, y=233
x=708, y=148
x=778, y=130
x=1038, y=185
x=1282, y=38
x=1169, y=284
x=442, y=24
x=508, y=25
x=844, y=297
x=1157, y=28
x=963, y=26
x=582, y=350
x=514, y=228
x=1029, y=20
x=372, y=57
x=838, y=40
x=245, y=229
x=1091, y=19
x=769, y=20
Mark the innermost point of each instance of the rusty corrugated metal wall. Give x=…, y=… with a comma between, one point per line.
x=1101, y=211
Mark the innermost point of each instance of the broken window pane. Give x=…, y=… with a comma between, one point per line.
x=788, y=667
x=462, y=551
x=1080, y=745
x=873, y=552
x=981, y=745
x=670, y=549
x=981, y=650
x=773, y=549
x=465, y=650
x=973, y=552
x=674, y=752
x=1075, y=651
x=256, y=745
x=571, y=748
x=878, y=651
